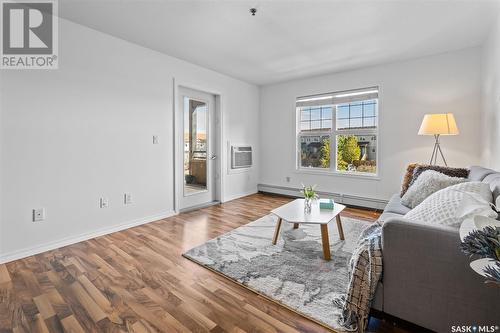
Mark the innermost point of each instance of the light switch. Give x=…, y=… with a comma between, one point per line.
x=103, y=202
x=156, y=139
x=127, y=198
x=38, y=214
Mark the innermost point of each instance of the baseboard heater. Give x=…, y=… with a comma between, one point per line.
x=347, y=199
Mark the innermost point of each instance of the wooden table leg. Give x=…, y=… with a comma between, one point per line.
x=295, y=225
x=339, y=226
x=277, y=231
x=326, y=241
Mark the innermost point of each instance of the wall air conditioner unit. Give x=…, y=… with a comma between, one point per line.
x=241, y=157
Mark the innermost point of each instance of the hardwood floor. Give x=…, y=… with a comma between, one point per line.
x=137, y=281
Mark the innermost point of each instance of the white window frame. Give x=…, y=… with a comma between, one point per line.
x=332, y=133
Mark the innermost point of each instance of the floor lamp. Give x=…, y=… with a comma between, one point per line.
x=437, y=125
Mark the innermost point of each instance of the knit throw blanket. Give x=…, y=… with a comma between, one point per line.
x=365, y=269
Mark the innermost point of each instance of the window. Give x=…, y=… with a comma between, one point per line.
x=316, y=118
x=357, y=115
x=315, y=151
x=338, y=132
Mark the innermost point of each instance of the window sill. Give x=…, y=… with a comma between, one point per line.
x=314, y=171
x=231, y=171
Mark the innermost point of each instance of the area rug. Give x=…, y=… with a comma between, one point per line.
x=292, y=272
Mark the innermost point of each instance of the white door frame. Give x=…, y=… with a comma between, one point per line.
x=219, y=138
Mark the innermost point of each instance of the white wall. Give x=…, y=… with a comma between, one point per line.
x=491, y=98
x=1, y=163
x=444, y=83
x=72, y=135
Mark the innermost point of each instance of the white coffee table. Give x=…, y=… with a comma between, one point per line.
x=293, y=212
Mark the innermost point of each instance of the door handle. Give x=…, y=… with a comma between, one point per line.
x=213, y=157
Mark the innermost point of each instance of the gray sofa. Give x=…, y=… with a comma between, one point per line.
x=426, y=278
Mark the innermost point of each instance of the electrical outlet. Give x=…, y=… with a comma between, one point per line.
x=156, y=139
x=287, y=179
x=127, y=198
x=103, y=203
x=38, y=214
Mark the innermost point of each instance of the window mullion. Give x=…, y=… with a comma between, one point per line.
x=333, y=151
x=357, y=132
x=333, y=140
x=363, y=114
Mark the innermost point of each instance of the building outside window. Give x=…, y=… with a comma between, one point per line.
x=338, y=132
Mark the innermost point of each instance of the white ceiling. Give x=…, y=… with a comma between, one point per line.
x=289, y=39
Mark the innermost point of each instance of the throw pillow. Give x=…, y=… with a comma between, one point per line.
x=428, y=182
x=452, y=205
x=407, y=178
x=452, y=172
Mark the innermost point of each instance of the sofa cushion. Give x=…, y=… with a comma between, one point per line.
x=428, y=182
x=488, y=176
x=394, y=206
x=452, y=205
x=478, y=173
x=388, y=215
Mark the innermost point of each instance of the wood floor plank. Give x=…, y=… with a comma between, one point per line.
x=92, y=308
x=63, y=285
x=60, y=307
x=71, y=325
x=192, y=319
x=4, y=274
x=54, y=324
x=269, y=319
x=100, y=300
x=42, y=302
x=39, y=326
x=150, y=311
x=136, y=280
x=142, y=327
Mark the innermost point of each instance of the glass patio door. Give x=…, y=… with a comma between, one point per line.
x=197, y=130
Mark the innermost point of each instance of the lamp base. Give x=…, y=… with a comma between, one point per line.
x=437, y=148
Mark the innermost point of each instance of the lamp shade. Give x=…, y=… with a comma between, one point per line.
x=438, y=123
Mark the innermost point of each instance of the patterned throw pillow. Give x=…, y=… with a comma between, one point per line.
x=407, y=178
x=428, y=182
x=414, y=170
x=452, y=205
x=452, y=172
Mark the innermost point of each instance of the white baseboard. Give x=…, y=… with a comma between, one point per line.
x=346, y=199
x=29, y=251
x=240, y=195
